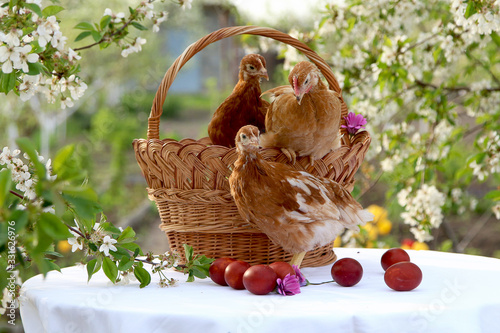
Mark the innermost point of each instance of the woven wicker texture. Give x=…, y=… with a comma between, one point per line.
x=188, y=179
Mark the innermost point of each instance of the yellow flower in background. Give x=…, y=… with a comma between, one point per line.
x=337, y=242
x=419, y=246
x=410, y=244
x=378, y=212
x=371, y=231
x=383, y=224
x=63, y=246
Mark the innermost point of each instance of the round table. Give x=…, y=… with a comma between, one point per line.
x=458, y=293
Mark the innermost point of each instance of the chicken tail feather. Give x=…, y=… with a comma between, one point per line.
x=353, y=216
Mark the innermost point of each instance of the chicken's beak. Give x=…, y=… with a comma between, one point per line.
x=296, y=90
x=299, y=97
x=254, y=141
x=263, y=73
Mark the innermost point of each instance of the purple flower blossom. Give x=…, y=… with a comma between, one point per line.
x=288, y=286
x=354, y=122
x=300, y=277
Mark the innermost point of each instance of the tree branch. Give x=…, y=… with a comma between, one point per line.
x=452, y=89
x=102, y=40
x=16, y=194
x=473, y=231
x=76, y=231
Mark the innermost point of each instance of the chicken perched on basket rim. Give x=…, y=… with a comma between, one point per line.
x=304, y=117
x=243, y=106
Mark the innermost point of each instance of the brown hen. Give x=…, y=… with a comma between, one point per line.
x=244, y=106
x=303, y=118
x=293, y=208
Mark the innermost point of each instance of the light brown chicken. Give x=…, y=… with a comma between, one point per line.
x=304, y=117
x=293, y=208
x=244, y=106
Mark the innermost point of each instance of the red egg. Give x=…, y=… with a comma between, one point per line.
x=217, y=269
x=260, y=279
x=347, y=272
x=233, y=275
x=403, y=276
x=393, y=256
x=282, y=269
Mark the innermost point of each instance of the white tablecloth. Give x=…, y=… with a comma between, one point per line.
x=459, y=293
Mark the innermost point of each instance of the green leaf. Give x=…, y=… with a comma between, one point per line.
x=82, y=35
x=53, y=226
x=21, y=218
x=91, y=268
x=120, y=253
x=44, y=241
x=7, y=81
x=96, y=35
x=138, y=26
x=53, y=253
x=52, y=266
x=471, y=9
x=142, y=275
x=5, y=185
x=51, y=10
x=493, y=195
x=190, y=277
x=199, y=272
x=35, y=68
x=188, y=250
x=125, y=264
x=105, y=21
x=110, y=269
x=495, y=37
x=83, y=201
x=84, y=26
x=61, y=159
x=34, y=8
x=12, y=3
x=128, y=232
x=109, y=227
x=133, y=247
x=93, y=247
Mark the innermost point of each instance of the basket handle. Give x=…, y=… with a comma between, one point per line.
x=190, y=51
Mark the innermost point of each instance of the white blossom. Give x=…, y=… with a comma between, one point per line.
x=422, y=207
x=136, y=47
x=66, y=102
x=76, y=244
x=72, y=55
x=46, y=30
x=12, y=38
x=107, y=245
x=186, y=4
x=23, y=57
x=8, y=56
x=28, y=87
x=496, y=211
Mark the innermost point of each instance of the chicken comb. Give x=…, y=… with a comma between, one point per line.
x=295, y=86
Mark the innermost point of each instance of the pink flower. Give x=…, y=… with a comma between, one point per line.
x=300, y=277
x=288, y=286
x=354, y=123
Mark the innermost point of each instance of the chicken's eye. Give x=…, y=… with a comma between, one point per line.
x=306, y=81
x=243, y=136
x=251, y=67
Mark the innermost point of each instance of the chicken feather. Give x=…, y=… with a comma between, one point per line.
x=295, y=209
x=243, y=106
x=303, y=118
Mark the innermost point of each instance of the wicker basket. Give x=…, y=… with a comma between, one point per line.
x=188, y=179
